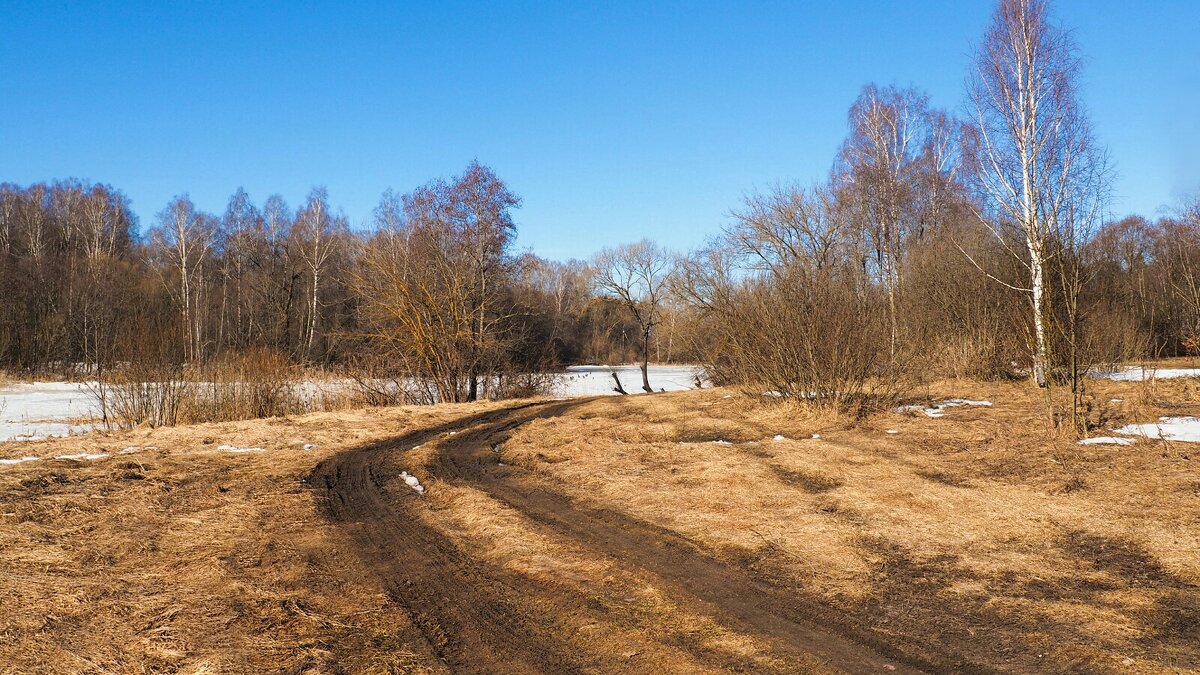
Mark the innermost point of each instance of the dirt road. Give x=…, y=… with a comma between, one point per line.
x=477, y=617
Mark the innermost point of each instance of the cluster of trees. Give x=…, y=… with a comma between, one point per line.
x=976, y=246
x=85, y=287
x=435, y=289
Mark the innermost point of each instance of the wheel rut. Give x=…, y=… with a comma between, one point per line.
x=475, y=617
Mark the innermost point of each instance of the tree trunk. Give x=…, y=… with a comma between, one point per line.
x=646, y=361
x=312, y=318
x=1040, y=350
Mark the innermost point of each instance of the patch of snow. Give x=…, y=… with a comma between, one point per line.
x=935, y=411
x=779, y=437
x=412, y=482
x=84, y=455
x=596, y=380
x=1140, y=373
x=1185, y=429
x=40, y=430
x=720, y=442
x=939, y=410
x=42, y=409
x=950, y=402
x=418, y=447
x=891, y=431
x=1106, y=440
x=309, y=446
x=234, y=448
x=816, y=437
x=18, y=460
x=130, y=450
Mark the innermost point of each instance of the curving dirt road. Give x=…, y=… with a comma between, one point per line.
x=475, y=617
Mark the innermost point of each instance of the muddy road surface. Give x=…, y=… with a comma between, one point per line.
x=478, y=617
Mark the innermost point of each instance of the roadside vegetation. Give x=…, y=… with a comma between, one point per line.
x=976, y=246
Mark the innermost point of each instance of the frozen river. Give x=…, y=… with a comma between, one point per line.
x=41, y=409
x=36, y=410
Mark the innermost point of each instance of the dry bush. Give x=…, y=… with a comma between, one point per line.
x=522, y=385
x=142, y=395
x=817, y=338
x=254, y=384
x=957, y=322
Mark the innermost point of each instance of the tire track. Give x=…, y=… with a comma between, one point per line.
x=478, y=619
x=471, y=620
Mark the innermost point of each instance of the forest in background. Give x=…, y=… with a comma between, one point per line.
x=978, y=245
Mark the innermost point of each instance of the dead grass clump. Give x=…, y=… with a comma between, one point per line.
x=809, y=481
x=944, y=478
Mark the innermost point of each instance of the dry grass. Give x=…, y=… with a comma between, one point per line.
x=184, y=558
x=986, y=528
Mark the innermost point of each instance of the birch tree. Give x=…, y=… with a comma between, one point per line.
x=882, y=162
x=319, y=232
x=433, y=280
x=1036, y=161
x=185, y=238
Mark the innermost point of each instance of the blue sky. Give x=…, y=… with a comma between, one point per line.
x=614, y=120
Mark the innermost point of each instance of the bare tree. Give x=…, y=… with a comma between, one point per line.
x=880, y=176
x=185, y=237
x=432, y=283
x=1036, y=160
x=786, y=227
x=319, y=233
x=636, y=274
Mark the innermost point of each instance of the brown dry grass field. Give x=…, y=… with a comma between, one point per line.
x=660, y=533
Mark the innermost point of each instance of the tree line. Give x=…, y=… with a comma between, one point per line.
x=435, y=288
x=977, y=245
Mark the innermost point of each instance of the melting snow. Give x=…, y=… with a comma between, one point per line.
x=939, y=410
x=892, y=431
x=42, y=409
x=234, y=448
x=963, y=401
x=719, y=442
x=1186, y=429
x=780, y=437
x=1139, y=373
x=412, y=482
x=19, y=460
x=1106, y=440
x=84, y=455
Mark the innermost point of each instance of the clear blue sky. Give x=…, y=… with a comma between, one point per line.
x=613, y=122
